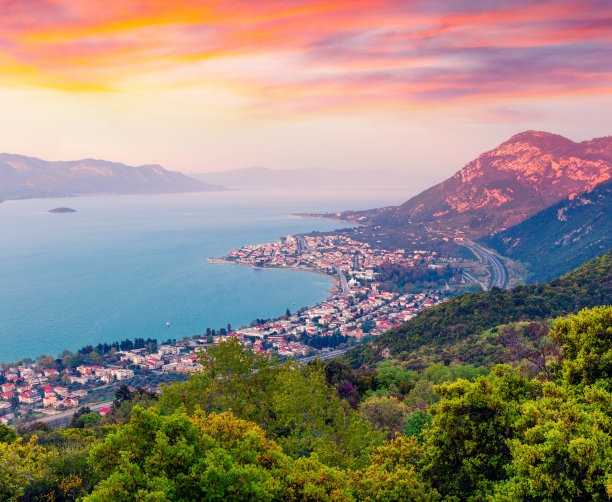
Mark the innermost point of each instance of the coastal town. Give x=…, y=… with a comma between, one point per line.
x=358, y=310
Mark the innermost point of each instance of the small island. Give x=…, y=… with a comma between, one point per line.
x=62, y=210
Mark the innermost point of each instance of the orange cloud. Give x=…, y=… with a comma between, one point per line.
x=309, y=55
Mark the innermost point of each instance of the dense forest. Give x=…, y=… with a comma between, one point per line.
x=252, y=428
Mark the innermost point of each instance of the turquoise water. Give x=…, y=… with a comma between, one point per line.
x=123, y=266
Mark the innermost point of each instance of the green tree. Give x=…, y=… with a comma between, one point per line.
x=384, y=413
x=422, y=395
x=416, y=423
x=390, y=373
x=91, y=418
x=311, y=418
x=393, y=474
x=466, y=450
x=213, y=457
x=151, y=347
x=7, y=435
x=309, y=480
x=65, y=474
x=20, y=466
x=77, y=420
x=48, y=362
x=232, y=379
x=562, y=450
x=124, y=402
x=160, y=458
x=587, y=347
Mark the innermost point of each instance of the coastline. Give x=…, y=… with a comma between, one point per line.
x=326, y=217
x=333, y=291
x=187, y=214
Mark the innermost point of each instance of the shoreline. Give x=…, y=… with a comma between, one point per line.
x=324, y=217
x=333, y=291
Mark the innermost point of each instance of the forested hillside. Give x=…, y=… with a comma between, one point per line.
x=249, y=427
x=450, y=323
x=561, y=237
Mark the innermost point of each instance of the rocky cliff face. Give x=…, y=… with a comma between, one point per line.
x=27, y=177
x=502, y=187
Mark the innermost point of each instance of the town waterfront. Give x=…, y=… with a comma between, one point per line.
x=125, y=266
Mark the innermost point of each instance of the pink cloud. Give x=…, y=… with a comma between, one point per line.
x=329, y=53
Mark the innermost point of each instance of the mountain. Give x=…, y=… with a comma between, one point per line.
x=263, y=178
x=506, y=185
x=27, y=177
x=562, y=236
x=451, y=331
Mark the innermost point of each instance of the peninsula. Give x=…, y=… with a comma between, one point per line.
x=377, y=289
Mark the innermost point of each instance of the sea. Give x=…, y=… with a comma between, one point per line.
x=126, y=266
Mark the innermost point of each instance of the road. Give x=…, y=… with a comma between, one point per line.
x=67, y=415
x=329, y=355
x=301, y=244
x=345, y=289
x=499, y=275
x=471, y=278
x=303, y=247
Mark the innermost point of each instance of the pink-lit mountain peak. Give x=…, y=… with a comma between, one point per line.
x=535, y=156
x=528, y=172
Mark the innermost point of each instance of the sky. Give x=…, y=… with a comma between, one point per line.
x=415, y=87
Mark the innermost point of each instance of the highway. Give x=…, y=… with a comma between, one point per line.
x=471, y=278
x=499, y=275
x=497, y=271
x=329, y=355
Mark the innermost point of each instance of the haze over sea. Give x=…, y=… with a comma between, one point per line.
x=123, y=266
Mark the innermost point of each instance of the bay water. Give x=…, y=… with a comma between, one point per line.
x=125, y=266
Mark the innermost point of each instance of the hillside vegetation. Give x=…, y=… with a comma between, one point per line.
x=290, y=433
x=451, y=323
x=561, y=237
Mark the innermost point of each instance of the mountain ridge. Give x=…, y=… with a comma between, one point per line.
x=504, y=186
x=30, y=177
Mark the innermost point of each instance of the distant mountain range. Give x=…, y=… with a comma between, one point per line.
x=261, y=178
x=28, y=177
x=562, y=236
x=504, y=186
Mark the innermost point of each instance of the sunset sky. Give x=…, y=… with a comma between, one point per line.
x=408, y=86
